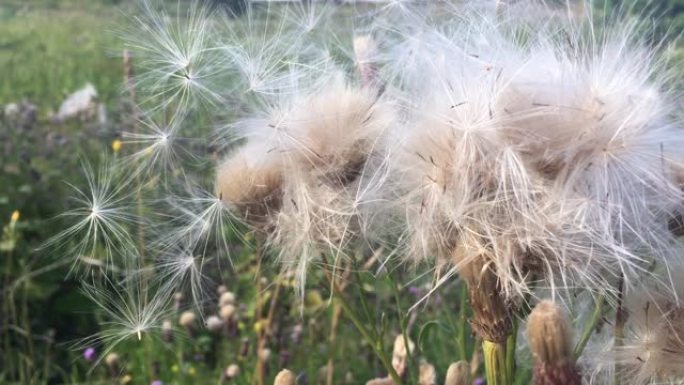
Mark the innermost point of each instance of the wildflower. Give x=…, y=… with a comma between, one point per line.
x=214, y=323
x=259, y=325
x=116, y=145
x=113, y=362
x=157, y=382
x=284, y=377
x=458, y=373
x=192, y=371
x=127, y=379
x=89, y=354
x=232, y=371
x=187, y=320
x=227, y=298
x=15, y=216
x=548, y=332
x=227, y=312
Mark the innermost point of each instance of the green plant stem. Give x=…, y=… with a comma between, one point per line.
x=462, y=324
x=589, y=327
x=371, y=336
x=510, y=352
x=403, y=323
x=620, y=320
x=496, y=363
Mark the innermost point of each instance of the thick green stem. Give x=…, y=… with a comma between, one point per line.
x=496, y=363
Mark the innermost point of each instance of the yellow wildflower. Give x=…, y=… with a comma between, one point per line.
x=127, y=379
x=116, y=145
x=192, y=371
x=15, y=216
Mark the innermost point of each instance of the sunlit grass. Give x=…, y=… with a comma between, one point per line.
x=47, y=52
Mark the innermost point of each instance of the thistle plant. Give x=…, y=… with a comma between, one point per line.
x=529, y=153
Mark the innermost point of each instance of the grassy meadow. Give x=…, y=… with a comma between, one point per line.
x=52, y=48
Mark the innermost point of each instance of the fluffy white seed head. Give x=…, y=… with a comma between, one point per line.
x=303, y=178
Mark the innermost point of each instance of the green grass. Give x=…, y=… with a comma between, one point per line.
x=49, y=48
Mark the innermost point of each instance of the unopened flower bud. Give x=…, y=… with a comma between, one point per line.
x=458, y=374
x=214, y=324
x=232, y=371
x=113, y=362
x=548, y=332
x=400, y=354
x=187, y=320
x=427, y=374
x=285, y=377
x=227, y=298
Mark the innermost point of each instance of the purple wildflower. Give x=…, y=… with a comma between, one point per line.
x=89, y=354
